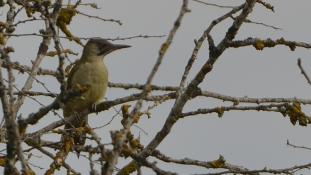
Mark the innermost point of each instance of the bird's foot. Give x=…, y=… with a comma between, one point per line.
x=94, y=108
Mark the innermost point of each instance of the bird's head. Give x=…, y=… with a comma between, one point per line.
x=100, y=47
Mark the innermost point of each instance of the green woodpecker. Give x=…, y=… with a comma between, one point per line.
x=90, y=77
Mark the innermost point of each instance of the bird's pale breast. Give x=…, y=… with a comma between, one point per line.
x=94, y=77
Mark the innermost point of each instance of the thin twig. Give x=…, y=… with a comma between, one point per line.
x=289, y=171
x=87, y=38
x=24, y=68
x=221, y=109
x=260, y=23
x=100, y=18
x=212, y=4
x=260, y=44
x=296, y=146
x=303, y=72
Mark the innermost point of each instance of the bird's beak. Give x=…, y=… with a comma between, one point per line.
x=104, y=50
x=120, y=46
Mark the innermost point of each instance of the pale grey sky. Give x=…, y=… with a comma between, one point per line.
x=251, y=139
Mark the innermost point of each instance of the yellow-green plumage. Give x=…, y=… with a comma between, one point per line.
x=93, y=76
x=89, y=73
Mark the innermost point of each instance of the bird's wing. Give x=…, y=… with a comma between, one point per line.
x=71, y=73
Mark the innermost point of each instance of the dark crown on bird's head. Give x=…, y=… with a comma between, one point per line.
x=101, y=47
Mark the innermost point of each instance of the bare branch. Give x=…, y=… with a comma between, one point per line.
x=157, y=170
x=303, y=72
x=24, y=68
x=212, y=4
x=296, y=146
x=267, y=5
x=35, y=67
x=289, y=171
x=87, y=38
x=50, y=155
x=260, y=23
x=260, y=44
x=219, y=163
x=199, y=42
x=220, y=110
x=99, y=18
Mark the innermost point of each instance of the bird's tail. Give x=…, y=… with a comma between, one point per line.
x=77, y=131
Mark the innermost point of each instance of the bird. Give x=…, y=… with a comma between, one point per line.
x=89, y=76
